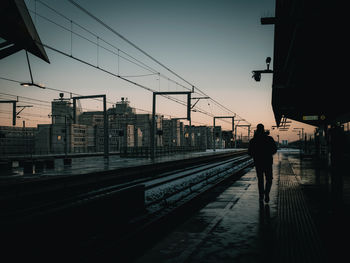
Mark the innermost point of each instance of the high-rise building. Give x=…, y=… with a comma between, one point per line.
x=62, y=111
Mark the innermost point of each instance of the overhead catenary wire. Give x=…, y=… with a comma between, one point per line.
x=146, y=54
x=124, y=78
x=127, y=41
x=127, y=80
x=139, y=63
x=109, y=102
x=142, y=66
x=25, y=99
x=48, y=106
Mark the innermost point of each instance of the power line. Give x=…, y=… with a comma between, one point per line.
x=128, y=41
x=139, y=63
x=145, y=53
x=171, y=98
x=123, y=77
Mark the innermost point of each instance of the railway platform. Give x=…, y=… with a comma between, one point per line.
x=299, y=224
x=91, y=164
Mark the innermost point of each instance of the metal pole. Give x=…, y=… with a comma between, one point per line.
x=214, y=137
x=152, y=141
x=190, y=133
x=14, y=115
x=233, y=124
x=189, y=106
x=106, y=133
x=248, y=133
x=74, y=110
x=189, y=117
x=233, y=127
x=65, y=136
x=30, y=70
x=302, y=139
x=236, y=136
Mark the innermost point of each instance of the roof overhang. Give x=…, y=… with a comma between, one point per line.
x=307, y=59
x=18, y=31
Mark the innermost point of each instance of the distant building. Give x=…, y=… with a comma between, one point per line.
x=62, y=111
x=122, y=116
x=78, y=138
x=201, y=136
x=119, y=136
x=91, y=118
x=182, y=134
x=126, y=128
x=188, y=136
x=171, y=132
x=122, y=108
x=43, y=139
x=63, y=136
x=217, y=137
x=228, y=138
x=16, y=140
x=121, y=126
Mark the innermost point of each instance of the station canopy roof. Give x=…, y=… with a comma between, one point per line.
x=17, y=30
x=310, y=82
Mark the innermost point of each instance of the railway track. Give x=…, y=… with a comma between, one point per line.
x=94, y=218
x=177, y=195
x=169, y=190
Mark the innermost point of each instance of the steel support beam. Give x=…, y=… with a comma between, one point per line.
x=248, y=126
x=14, y=105
x=221, y=117
x=153, y=125
x=105, y=118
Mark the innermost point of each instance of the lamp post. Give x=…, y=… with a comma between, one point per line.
x=27, y=84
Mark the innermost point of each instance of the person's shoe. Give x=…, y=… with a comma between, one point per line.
x=267, y=198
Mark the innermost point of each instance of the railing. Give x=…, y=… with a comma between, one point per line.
x=159, y=151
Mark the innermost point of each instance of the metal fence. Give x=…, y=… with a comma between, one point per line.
x=159, y=151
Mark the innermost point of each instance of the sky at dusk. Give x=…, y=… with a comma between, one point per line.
x=214, y=45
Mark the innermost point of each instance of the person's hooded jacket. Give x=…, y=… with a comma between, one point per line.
x=261, y=148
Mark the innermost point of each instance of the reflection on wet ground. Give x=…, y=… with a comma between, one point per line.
x=297, y=225
x=235, y=227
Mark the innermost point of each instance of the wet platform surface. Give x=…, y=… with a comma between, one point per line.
x=235, y=227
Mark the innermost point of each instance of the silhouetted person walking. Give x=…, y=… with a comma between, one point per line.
x=261, y=148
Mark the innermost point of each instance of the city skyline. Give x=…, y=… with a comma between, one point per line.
x=214, y=45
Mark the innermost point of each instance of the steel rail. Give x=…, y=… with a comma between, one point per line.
x=236, y=161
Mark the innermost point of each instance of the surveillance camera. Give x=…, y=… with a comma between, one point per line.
x=256, y=76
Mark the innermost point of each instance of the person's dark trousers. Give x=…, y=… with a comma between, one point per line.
x=260, y=171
